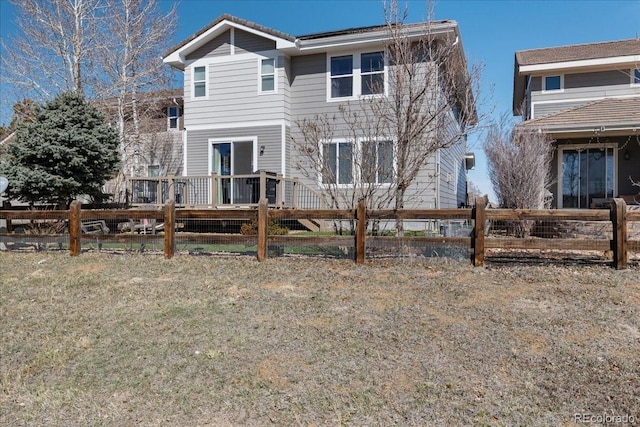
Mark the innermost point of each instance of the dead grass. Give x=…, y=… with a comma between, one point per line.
x=139, y=340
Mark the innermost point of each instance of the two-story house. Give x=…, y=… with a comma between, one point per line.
x=246, y=87
x=587, y=98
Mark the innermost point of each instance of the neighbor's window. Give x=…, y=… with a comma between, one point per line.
x=153, y=170
x=636, y=76
x=173, y=114
x=552, y=83
x=268, y=75
x=338, y=163
x=199, y=82
x=372, y=73
x=377, y=162
x=342, y=76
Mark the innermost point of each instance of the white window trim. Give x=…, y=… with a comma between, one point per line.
x=633, y=77
x=560, y=169
x=275, y=75
x=356, y=75
x=193, y=82
x=177, y=117
x=356, y=173
x=544, y=83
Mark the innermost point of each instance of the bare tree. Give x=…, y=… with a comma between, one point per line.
x=135, y=32
x=50, y=53
x=519, y=161
x=426, y=105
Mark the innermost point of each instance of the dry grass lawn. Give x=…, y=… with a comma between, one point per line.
x=124, y=340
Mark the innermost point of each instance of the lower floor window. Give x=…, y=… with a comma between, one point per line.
x=337, y=163
x=369, y=162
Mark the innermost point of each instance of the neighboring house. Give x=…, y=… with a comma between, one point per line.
x=587, y=98
x=246, y=86
x=155, y=149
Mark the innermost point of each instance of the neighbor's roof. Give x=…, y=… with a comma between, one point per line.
x=578, y=52
x=602, y=55
x=605, y=115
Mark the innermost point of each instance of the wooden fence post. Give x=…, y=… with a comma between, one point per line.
x=477, y=241
x=361, y=232
x=294, y=193
x=263, y=185
x=619, y=241
x=75, y=231
x=214, y=190
x=169, y=229
x=263, y=225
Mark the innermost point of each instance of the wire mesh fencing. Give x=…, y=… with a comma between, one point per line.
x=34, y=230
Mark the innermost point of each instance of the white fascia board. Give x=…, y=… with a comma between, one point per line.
x=616, y=60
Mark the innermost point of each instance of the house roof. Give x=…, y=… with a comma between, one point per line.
x=619, y=54
x=229, y=19
x=176, y=55
x=578, y=52
x=609, y=115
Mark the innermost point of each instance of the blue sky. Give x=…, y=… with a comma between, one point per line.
x=492, y=30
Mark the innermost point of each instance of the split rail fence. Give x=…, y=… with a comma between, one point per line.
x=162, y=227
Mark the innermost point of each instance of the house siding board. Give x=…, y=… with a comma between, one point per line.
x=541, y=110
x=580, y=88
x=233, y=96
x=220, y=46
x=248, y=42
x=269, y=136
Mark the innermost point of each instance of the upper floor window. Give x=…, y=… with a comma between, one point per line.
x=153, y=170
x=342, y=76
x=552, y=83
x=268, y=75
x=173, y=116
x=635, y=78
x=355, y=75
x=372, y=73
x=199, y=82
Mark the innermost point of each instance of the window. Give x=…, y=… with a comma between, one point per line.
x=338, y=163
x=372, y=73
x=356, y=75
x=635, y=78
x=268, y=75
x=173, y=114
x=153, y=170
x=199, y=82
x=552, y=83
x=377, y=162
x=341, y=76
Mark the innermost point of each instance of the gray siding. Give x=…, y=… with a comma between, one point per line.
x=233, y=95
x=269, y=136
x=589, y=86
x=247, y=42
x=220, y=46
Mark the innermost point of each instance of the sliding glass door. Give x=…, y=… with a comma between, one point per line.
x=587, y=173
x=228, y=159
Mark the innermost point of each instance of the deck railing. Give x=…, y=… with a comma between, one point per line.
x=207, y=191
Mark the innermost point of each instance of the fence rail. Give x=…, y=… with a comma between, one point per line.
x=163, y=226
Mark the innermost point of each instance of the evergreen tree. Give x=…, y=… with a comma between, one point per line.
x=66, y=150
